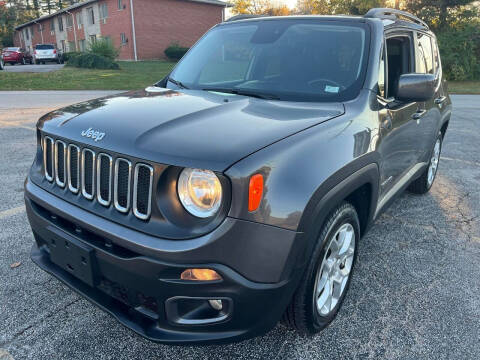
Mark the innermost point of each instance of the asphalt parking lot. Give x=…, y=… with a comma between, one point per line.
x=415, y=292
x=48, y=67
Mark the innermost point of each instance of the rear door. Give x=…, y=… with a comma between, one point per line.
x=428, y=120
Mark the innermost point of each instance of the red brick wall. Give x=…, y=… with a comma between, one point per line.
x=47, y=37
x=118, y=21
x=158, y=23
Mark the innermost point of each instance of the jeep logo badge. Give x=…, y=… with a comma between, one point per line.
x=94, y=134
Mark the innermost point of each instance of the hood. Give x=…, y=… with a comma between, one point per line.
x=190, y=128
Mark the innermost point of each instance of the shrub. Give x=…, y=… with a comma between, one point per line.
x=92, y=61
x=175, y=51
x=105, y=48
x=70, y=55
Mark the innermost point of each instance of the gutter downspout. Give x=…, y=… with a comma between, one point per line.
x=133, y=32
x=41, y=31
x=74, y=28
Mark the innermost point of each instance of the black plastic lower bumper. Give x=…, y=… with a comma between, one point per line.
x=145, y=293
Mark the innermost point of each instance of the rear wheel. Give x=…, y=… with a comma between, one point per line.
x=423, y=184
x=326, y=280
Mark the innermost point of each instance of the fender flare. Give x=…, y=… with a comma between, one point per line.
x=331, y=193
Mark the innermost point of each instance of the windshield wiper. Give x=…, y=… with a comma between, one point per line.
x=255, y=94
x=178, y=83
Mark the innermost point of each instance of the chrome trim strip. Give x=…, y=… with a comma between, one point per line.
x=99, y=179
x=135, y=186
x=115, y=186
x=49, y=139
x=57, y=180
x=84, y=193
x=399, y=184
x=70, y=186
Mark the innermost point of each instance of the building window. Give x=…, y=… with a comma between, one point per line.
x=32, y=31
x=90, y=16
x=27, y=34
x=62, y=45
x=60, y=23
x=69, y=21
x=123, y=39
x=120, y=4
x=52, y=26
x=81, y=45
x=103, y=11
x=93, y=39
x=79, y=20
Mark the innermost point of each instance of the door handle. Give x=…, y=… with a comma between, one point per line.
x=440, y=100
x=418, y=114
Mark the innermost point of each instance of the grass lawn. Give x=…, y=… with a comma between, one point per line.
x=464, y=87
x=131, y=76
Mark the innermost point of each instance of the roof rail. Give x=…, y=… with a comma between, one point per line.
x=386, y=13
x=244, y=17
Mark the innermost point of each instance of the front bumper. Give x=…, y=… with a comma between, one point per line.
x=138, y=284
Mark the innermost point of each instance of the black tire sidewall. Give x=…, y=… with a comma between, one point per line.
x=346, y=215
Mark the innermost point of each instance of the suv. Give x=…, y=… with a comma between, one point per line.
x=46, y=52
x=16, y=55
x=236, y=190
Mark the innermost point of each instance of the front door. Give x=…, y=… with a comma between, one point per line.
x=397, y=119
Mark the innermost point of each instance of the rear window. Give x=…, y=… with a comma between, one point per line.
x=11, y=49
x=44, y=47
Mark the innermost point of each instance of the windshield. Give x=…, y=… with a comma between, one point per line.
x=44, y=47
x=288, y=59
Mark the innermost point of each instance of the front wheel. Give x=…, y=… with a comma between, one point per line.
x=326, y=280
x=423, y=184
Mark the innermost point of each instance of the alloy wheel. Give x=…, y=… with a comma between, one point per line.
x=334, y=271
x=432, y=169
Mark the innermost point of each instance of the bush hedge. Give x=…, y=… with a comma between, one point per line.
x=92, y=61
x=175, y=51
x=69, y=55
x=105, y=48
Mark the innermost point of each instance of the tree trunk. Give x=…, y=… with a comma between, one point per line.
x=443, y=14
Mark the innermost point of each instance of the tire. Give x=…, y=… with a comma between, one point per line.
x=424, y=183
x=303, y=314
x=12, y=63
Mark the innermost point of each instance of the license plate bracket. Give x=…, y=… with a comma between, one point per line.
x=73, y=256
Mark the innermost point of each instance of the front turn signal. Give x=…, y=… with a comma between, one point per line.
x=255, y=192
x=200, y=275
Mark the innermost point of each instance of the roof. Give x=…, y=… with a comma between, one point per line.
x=87, y=2
x=45, y=17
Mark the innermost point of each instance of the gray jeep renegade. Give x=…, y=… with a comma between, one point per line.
x=235, y=191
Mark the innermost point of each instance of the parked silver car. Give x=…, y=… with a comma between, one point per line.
x=46, y=52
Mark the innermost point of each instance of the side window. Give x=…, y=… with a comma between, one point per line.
x=424, y=58
x=381, y=76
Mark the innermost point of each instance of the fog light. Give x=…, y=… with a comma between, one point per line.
x=216, y=304
x=200, y=275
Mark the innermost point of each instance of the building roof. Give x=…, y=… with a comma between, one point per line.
x=86, y=2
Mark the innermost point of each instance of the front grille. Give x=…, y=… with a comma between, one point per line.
x=123, y=174
x=88, y=173
x=104, y=179
x=73, y=168
x=98, y=177
x=48, y=155
x=142, y=190
x=60, y=158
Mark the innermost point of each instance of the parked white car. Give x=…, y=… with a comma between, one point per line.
x=46, y=52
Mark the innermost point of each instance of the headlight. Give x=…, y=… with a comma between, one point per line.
x=200, y=192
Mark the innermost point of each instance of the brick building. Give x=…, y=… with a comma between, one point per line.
x=141, y=29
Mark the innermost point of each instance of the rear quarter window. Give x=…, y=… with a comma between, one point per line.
x=44, y=47
x=424, y=54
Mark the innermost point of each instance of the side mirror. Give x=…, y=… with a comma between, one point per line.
x=415, y=87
